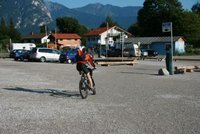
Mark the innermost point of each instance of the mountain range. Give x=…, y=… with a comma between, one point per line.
x=28, y=15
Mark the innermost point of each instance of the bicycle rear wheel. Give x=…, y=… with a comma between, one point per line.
x=83, y=89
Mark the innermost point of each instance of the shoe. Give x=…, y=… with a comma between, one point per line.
x=92, y=88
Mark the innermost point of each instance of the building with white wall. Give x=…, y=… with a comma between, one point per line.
x=105, y=36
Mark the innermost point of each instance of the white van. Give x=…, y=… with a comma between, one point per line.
x=24, y=46
x=44, y=54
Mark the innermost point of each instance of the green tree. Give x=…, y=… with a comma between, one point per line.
x=7, y=33
x=191, y=29
x=43, y=29
x=68, y=25
x=196, y=8
x=82, y=31
x=134, y=29
x=3, y=29
x=12, y=32
x=155, y=12
x=109, y=21
x=71, y=25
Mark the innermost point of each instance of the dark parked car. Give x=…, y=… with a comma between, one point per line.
x=152, y=53
x=128, y=52
x=69, y=56
x=114, y=53
x=22, y=54
x=12, y=53
x=144, y=53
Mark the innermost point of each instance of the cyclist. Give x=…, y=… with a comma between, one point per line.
x=83, y=62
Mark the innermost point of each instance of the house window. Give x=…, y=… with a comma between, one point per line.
x=110, y=42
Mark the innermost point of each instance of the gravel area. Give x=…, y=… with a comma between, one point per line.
x=43, y=98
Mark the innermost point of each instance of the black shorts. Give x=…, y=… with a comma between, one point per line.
x=82, y=67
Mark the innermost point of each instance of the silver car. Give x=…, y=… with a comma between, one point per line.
x=44, y=54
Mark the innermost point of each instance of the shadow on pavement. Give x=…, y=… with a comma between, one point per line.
x=51, y=92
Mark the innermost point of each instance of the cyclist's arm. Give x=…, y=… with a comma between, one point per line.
x=89, y=59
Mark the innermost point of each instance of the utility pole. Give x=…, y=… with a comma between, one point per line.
x=107, y=40
x=171, y=57
x=55, y=38
x=46, y=35
x=122, y=43
x=1, y=45
x=10, y=44
x=99, y=49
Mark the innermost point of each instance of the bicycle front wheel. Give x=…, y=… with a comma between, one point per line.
x=83, y=89
x=94, y=89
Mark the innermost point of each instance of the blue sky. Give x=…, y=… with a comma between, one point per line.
x=187, y=4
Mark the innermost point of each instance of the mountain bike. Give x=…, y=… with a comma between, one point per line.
x=84, y=87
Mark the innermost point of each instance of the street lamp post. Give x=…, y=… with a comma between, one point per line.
x=167, y=27
x=122, y=42
x=46, y=36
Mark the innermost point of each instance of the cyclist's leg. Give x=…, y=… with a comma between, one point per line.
x=91, y=75
x=90, y=80
x=91, y=72
x=87, y=72
x=79, y=67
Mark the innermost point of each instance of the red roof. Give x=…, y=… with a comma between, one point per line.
x=66, y=36
x=97, y=31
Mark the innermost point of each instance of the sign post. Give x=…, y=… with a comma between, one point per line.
x=167, y=27
x=122, y=43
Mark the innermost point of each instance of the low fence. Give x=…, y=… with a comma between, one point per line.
x=186, y=58
x=116, y=61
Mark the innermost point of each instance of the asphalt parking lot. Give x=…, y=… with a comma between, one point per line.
x=43, y=98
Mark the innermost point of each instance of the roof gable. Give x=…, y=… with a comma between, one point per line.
x=97, y=31
x=65, y=36
x=100, y=30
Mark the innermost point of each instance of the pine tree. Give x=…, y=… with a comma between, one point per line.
x=196, y=8
x=12, y=32
x=109, y=21
x=3, y=29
